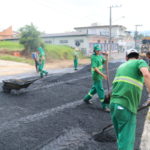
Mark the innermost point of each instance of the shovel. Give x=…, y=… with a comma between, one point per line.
x=110, y=126
x=107, y=96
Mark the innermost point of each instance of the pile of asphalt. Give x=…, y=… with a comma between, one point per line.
x=50, y=115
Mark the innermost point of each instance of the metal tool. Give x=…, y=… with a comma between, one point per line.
x=16, y=84
x=107, y=96
x=110, y=126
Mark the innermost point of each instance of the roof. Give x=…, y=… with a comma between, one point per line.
x=103, y=26
x=146, y=38
x=65, y=34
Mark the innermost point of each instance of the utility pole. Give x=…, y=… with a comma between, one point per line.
x=110, y=28
x=136, y=33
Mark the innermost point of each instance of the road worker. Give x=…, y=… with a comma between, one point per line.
x=75, y=60
x=148, y=62
x=126, y=96
x=97, y=61
x=41, y=62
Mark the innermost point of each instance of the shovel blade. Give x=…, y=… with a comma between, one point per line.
x=107, y=98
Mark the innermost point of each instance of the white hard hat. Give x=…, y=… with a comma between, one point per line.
x=131, y=51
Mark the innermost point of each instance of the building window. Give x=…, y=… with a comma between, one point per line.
x=81, y=41
x=48, y=42
x=63, y=41
x=98, y=41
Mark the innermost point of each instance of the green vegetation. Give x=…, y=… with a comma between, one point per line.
x=16, y=59
x=11, y=46
x=53, y=52
x=58, y=52
x=30, y=38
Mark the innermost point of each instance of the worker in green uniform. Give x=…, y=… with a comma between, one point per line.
x=148, y=62
x=97, y=61
x=41, y=62
x=75, y=60
x=125, y=98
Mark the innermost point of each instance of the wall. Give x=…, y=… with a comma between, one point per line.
x=70, y=41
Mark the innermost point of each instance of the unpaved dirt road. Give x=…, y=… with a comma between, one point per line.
x=50, y=115
x=13, y=68
x=8, y=68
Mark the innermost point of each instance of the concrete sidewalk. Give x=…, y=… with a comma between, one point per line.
x=145, y=140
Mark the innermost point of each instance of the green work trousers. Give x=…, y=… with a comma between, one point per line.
x=124, y=123
x=97, y=88
x=40, y=69
x=76, y=63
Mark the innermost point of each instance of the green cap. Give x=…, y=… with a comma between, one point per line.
x=97, y=47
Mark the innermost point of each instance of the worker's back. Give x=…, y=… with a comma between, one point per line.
x=128, y=84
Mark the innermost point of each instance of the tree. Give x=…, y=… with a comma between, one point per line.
x=30, y=38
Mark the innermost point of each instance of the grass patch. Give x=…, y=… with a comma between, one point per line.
x=59, y=52
x=11, y=46
x=17, y=59
x=53, y=52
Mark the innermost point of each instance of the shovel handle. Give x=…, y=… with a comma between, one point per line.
x=107, y=72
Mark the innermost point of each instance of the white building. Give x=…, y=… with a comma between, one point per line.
x=116, y=30
x=83, y=41
x=119, y=35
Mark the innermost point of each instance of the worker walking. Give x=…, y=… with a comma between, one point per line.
x=97, y=61
x=75, y=60
x=125, y=98
x=41, y=62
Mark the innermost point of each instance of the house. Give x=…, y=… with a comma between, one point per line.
x=86, y=37
x=7, y=33
x=119, y=35
x=81, y=40
x=104, y=30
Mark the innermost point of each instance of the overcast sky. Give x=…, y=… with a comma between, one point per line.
x=54, y=16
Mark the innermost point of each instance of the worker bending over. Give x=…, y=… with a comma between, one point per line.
x=126, y=97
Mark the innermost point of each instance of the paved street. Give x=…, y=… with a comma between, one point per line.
x=50, y=115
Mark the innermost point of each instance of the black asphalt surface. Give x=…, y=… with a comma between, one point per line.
x=50, y=115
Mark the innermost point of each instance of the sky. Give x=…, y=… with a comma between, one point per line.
x=57, y=16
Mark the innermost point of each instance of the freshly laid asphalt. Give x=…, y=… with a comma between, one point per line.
x=50, y=115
